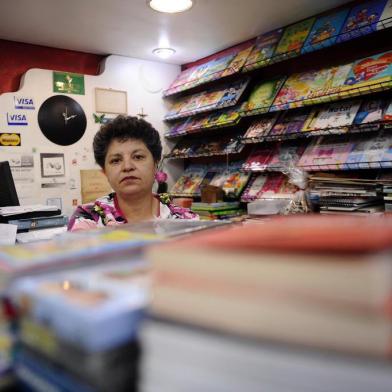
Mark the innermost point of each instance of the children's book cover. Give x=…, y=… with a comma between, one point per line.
x=376, y=151
x=272, y=185
x=236, y=181
x=254, y=187
x=230, y=116
x=263, y=49
x=217, y=66
x=362, y=19
x=293, y=38
x=338, y=114
x=220, y=176
x=325, y=30
x=356, y=155
x=375, y=69
x=386, y=17
x=190, y=180
x=290, y=122
x=233, y=93
x=261, y=127
x=286, y=156
x=388, y=112
x=264, y=94
x=182, y=79
x=306, y=159
x=176, y=108
x=237, y=62
x=210, y=99
x=259, y=158
x=332, y=152
x=386, y=159
x=371, y=110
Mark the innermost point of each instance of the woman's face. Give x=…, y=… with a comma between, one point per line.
x=129, y=167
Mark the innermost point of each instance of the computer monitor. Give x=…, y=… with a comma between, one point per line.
x=8, y=195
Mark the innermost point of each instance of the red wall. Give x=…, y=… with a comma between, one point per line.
x=16, y=58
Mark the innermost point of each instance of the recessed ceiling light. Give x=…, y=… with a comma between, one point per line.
x=170, y=6
x=164, y=53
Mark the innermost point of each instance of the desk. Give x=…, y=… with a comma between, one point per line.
x=184, y=359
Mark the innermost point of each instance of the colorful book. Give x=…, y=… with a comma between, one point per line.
x=272, y=186
x=336, y=115
x=229, y=116
x=370, y=71
x=235, y=181
x=325, y=30
x=254, y=187
x=388, y=112
x=238, y=61
x=261, y=127
x=377, y=150
x=263, y=49
x=289, y=123
x=356, y=155
x=189, y=182
x=293, y=38
x=371, y=110
x=263, y=95
x=286, y=156
x=386, y=159
x=386, y=17
x=259, y=158
x=232, y=93
x=362, y=19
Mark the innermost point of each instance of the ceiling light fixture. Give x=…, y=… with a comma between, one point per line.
x=164, y=53
x=170, y=6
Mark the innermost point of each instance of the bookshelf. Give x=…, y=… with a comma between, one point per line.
x=264, y=99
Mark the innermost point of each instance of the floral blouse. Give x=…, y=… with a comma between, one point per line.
x=106, y=212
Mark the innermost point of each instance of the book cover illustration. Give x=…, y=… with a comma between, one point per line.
x=286, y=156
x=331, y=152
x=263, y=49
x=176, y=108
x=371, y=110
x=254, y=187
x=362, y=19
x=388, y=113
x=307, y=157
x=221, y=173
x=190, y=180
x=289, y=123
x=386, y=17
x=232, y=93
x=238, y=61
x=192, y=103
x=357, y=154
x=293, y=38
x=181, y=81
x=216, y=67
x=325, y=30
x=235, y=181
x=178, y=128
x=272, y=186
x=261, y=127
x=228, y=117
x=259, y=159
x=336, y=115
x=373, y=70
x=376, y=152
x=210, y=99
x=263, y=95
x=386, y=159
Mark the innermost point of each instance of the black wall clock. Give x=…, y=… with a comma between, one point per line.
x=62, y=120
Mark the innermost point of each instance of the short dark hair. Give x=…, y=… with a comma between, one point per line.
x=123, y=128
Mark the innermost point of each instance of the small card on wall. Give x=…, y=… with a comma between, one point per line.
x=10, y=139
x=93, y=185
x=111, y=101
x=69, y=83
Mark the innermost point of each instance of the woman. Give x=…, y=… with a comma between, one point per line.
x=128, y=150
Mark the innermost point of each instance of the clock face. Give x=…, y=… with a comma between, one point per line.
x=62, y=120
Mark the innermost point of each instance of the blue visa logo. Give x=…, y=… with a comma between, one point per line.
x=24, y=103
x=16, y=119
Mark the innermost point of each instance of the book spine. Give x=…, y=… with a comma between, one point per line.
x=29, y=224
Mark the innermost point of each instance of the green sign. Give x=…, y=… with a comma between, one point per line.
x=69, y=83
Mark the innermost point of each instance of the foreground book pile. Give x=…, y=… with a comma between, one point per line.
x=319, y=281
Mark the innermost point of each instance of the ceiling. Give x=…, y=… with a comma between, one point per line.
x=131, y=28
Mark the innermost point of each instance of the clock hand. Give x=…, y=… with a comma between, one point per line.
x=72, y=116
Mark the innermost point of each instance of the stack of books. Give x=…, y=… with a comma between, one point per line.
x=217, y=211
x=345, y=193
x=318, y=281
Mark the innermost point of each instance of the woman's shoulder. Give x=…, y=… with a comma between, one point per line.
x=172, y=211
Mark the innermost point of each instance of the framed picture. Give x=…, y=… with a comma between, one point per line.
x=111, y=101
x=52, y=165
x=69, y=83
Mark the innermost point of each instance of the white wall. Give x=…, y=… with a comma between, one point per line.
x=144, y=82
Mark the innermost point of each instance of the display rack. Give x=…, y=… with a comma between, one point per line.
x=320, y=44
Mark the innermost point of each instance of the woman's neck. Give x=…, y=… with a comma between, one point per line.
x=138, y=208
